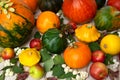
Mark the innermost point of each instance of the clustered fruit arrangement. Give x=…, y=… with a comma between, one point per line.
x=72, y=40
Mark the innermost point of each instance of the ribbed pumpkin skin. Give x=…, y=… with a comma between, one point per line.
x=54, y=41
x=107, y=18
x=50, y=5
x=79, y=11
x=15, y=30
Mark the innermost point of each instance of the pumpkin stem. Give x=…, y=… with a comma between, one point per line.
x=116, y=13
x=6, y=5
x=73, y=45
x=89, y=26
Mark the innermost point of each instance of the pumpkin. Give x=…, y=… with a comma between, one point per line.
x=47, y=20
x=54, y=41
x=100, y=3
x=16, y=23
x=32, y=4
x=79, y=11
x=50, y=5
x=107, y=18
x=87, y=33
x=78, y=55
x=29, y=57
x=114, y=3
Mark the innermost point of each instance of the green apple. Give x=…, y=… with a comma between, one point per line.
x=36, y=71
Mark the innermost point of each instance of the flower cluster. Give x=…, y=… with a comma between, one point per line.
x=80, y=75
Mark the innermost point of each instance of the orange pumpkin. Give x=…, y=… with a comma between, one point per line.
x=32, y=4
x=47, y=20
x=78, y=55
x=79, y=11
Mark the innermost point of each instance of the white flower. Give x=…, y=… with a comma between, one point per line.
x=7, y=63
x=19, y=51
x=64, y=65
x=114, y=67
x=83, y=74
x=8, y=72
x=75, y=72
x=78, y=77
x=66, y=70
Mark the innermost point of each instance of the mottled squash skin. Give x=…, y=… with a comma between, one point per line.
x=107, y=18
x=15, y=30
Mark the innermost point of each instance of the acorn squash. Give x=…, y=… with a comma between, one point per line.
x=54, y=41
x=50, y=5
x=16, y=23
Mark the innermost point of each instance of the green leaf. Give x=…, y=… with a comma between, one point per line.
x=45, y=55
x=48, y=65
x=108, y=59
x=68, y=76
x=2, y=76
x=58, y=71
x=18, y=69
x=94, y=46
x=58, y=59
x=14, y=60
x=7, y=67
x=37, y=35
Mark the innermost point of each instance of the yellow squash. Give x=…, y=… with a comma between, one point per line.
x=87, y=33
x=29, y=57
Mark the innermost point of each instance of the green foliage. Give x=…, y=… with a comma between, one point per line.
x=2, y=76
x=37, y=35
x=108, y=59
x=94, y=46
x=45, y=55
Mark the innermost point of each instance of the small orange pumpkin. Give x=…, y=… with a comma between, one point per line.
x=47, y=20
x=78, y=55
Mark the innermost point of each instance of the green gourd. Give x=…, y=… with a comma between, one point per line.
x=50, y=5
x=54, y=41
x=107, y=18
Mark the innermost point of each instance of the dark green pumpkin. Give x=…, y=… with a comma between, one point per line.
x=15, y=30
x=50, y=5
x=54, y=41
x=107, y=18
x=100, y=3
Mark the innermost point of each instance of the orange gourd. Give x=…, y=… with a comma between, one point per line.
x=32, y=4
x=78, y=55
x=79, y=11
x=16, y=23
x=47, y=20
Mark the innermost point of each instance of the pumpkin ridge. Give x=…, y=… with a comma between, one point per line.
x=23, y=17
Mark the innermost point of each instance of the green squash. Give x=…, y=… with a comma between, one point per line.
x=54, y=41
x=107, y=18
x=50, y=5
x=15, y=25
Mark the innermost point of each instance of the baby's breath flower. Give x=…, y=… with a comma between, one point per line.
x=114, y=67
x=7, y=62
x=9, y=72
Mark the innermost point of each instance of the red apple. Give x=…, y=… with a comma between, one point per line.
x=73, y=25
x=36, y=71
x=98, y=56
x=7, y=53
x=98, y=70
x=35, y=43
